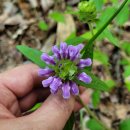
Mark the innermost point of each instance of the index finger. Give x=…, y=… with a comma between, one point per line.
x=21, y=79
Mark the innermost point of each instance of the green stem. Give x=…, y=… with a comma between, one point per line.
x=91, y=28
x=103, y=27
x=92, y=114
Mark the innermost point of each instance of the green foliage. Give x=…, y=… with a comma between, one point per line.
x=126, y=47
x=81, y=119
x=32, y=54
x=96, y=83
x=88, y=50
x=127, y=83
x=111, y=37
x=87, y=11
x=92, y=124
x=126, y=75
x=35, y=107
x=126, y=71
x=124, y=62
x=107, y=13
x=43, y=26
x=96, y=98
x=123, y=16
x=111, y=83
x=125, y=125
x=57, y=16
x=99, y=4
x=101, y=57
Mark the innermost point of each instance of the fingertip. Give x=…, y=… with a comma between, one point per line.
x=57, y=108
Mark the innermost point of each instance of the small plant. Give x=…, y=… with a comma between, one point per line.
x=70, y=64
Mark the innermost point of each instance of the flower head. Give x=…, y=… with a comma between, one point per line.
x=65, y=64
x=87, y=11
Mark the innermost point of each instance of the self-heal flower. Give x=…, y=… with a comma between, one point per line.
x=65, y=65
x=45, y=72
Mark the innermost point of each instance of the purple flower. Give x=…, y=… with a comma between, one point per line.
x=47, y=82
x=48, y=59
x=55, y=84
x=63, y=50
x=45, y=72
x=66, y=90
x=73, y=51
x=74, y=88
x=65, y=64
x=80, y=46
x=84, y=62
x=56, y=52
x=84, y=77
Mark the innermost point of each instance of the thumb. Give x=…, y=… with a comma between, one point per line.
x=54, y=113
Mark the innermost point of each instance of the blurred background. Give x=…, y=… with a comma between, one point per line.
x=42, y=23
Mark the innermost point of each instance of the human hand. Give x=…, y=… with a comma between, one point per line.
x=20, y=89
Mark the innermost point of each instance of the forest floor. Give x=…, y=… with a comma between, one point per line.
x=19, y=26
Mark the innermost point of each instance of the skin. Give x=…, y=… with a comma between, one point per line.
x=20, y=89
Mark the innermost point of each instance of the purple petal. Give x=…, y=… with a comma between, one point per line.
x=47, y=82
x=63, y=50
x=55, y=84
x=56, y=52
x=84, y=62
x=80, y=46
x=73, y=51
x=45, y=72
x=84, y=77
x=53, y=91
x=48, y=59
x=66, y=90
x=74, y=88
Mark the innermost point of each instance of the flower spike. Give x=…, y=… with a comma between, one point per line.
x=65, y=64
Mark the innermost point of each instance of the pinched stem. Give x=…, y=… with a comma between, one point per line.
x=92, y=114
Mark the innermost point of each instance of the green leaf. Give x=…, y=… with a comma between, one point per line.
x=105, y=16
x=123, y=16
x=111, y=83
x=70, y=122
x=125, y=125
x=57, y=16
x=35, y=107
x=112, y=39
x=101, y=57
x=92, y=124
x=43, y=26
x=96, y=83
x=126, y=71
x=107, y=13
x=96, y=98
x=89, y=46
x=32, y=54
x=126, y=47
x=99, y=4
x=127, y=83
x=75, y=41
